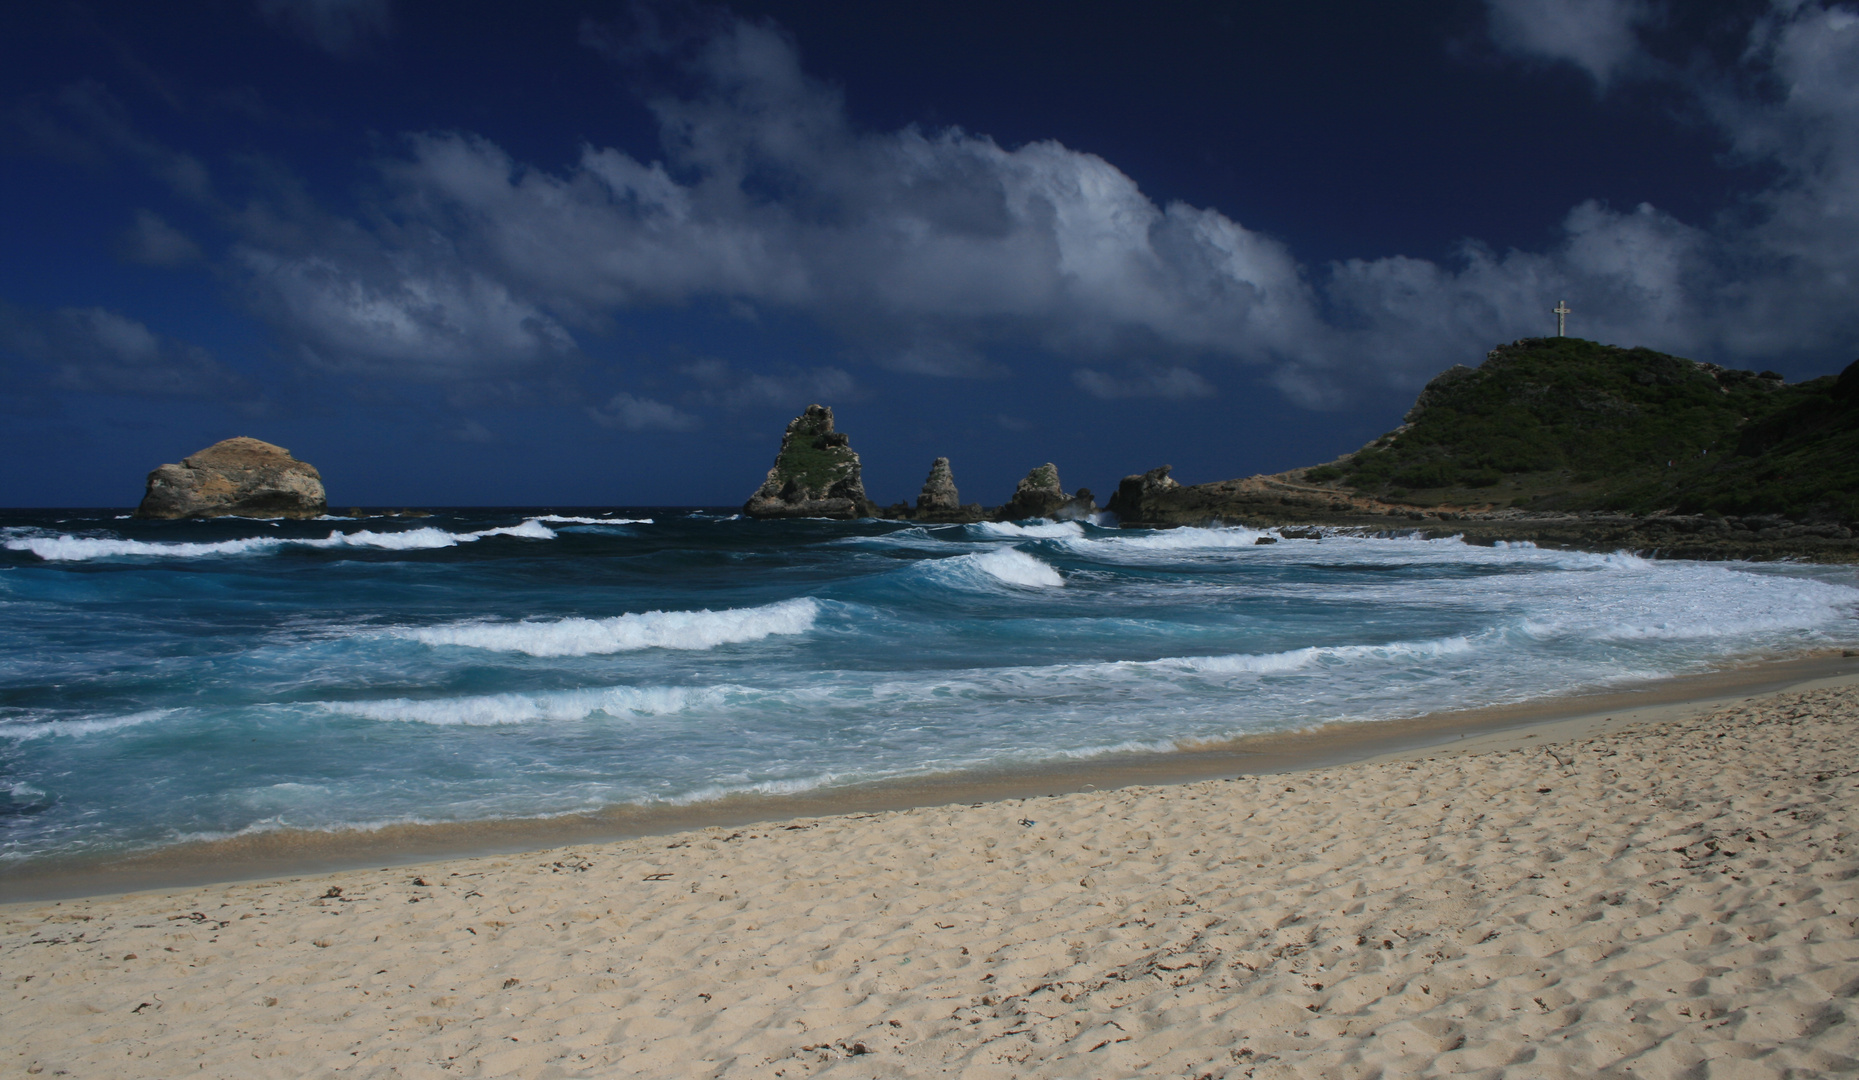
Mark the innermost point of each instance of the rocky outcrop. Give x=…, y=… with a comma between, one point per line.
x=939, y=495
x=1137, y=498
x=816, y=474
x=939, y=501
x=1289, y=502
x=1040, y=495
x=242, y=476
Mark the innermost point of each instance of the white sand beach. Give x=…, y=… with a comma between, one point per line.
x=1670, y=894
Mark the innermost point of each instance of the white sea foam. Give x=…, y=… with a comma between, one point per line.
x=515, y=708
x=556, y=519
x=1182, y=540
x=89, y=726
x=66, y=548
x=991, y=569
x=703, y=629
x=1298, y=659
x=1039, y=530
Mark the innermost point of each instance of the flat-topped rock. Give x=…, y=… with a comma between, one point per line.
x=816, y=474
x=242, y=476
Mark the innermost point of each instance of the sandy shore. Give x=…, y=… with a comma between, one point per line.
x=1672, y=892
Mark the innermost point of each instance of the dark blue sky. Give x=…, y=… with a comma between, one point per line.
x=599, y=253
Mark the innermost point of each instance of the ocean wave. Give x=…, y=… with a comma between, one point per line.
x=67, y=548
x=703, y=629
x=1170, y=540
x=1040, y=530
x=41, y=729
x=556, y=519
x=991, y=569
x=488, y=710
x=1311, y=656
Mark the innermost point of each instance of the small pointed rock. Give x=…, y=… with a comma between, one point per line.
x=939, y=495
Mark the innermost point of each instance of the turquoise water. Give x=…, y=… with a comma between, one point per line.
x=171, y=681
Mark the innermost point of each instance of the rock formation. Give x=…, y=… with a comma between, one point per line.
x=816, y=474
x=939, y=501
x=939, y=495
x=241, y=476
x=1041, y=495
x=1134, y=497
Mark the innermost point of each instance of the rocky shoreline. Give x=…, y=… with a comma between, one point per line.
x=818, y=474
x=1153, y=500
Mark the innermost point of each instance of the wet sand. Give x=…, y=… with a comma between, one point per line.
x=1634, y=885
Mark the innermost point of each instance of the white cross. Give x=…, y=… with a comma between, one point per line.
x=1562, y=310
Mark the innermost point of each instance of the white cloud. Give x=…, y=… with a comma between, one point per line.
x=631, y=413
x=928, y=250
x=1175, y=382
x=398, y=314
x=1598, y=36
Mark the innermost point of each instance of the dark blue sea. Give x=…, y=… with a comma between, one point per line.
x=164, y=682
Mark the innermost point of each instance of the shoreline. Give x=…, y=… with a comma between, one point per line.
x=298, y=852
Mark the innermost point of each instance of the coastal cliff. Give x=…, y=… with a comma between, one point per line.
x=1574, y=443
x=815, y=474
x=241, y=476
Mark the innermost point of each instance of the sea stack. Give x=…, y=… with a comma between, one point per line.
x=816, y=474
x=242, y=476
x=1040, y=495
x=939, y=495
x=939, y=501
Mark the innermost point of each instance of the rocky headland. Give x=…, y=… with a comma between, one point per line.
x=1572, y=443
x=242, y=477
x=1558, y=441
x=815, y=474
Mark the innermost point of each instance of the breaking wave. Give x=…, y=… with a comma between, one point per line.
x=557, y=519
x=703, y=629
x=1040, y=530
x=492, y=709
x=66, y=548
x=991, y=569
x=44, y=728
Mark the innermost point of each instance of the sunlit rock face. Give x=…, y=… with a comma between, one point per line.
x=242, y=477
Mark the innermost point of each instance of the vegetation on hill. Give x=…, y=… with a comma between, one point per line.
x=1568, y=424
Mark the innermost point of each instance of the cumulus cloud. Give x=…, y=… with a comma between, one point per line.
x=1775, y=273
x=629, y=413
x=926, y=251
x=341, y=27
x=1598, y=36
x=1174, y=382
x=95, y=350
x=389, y=312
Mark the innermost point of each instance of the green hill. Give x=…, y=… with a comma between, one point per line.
x=1562, y=424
